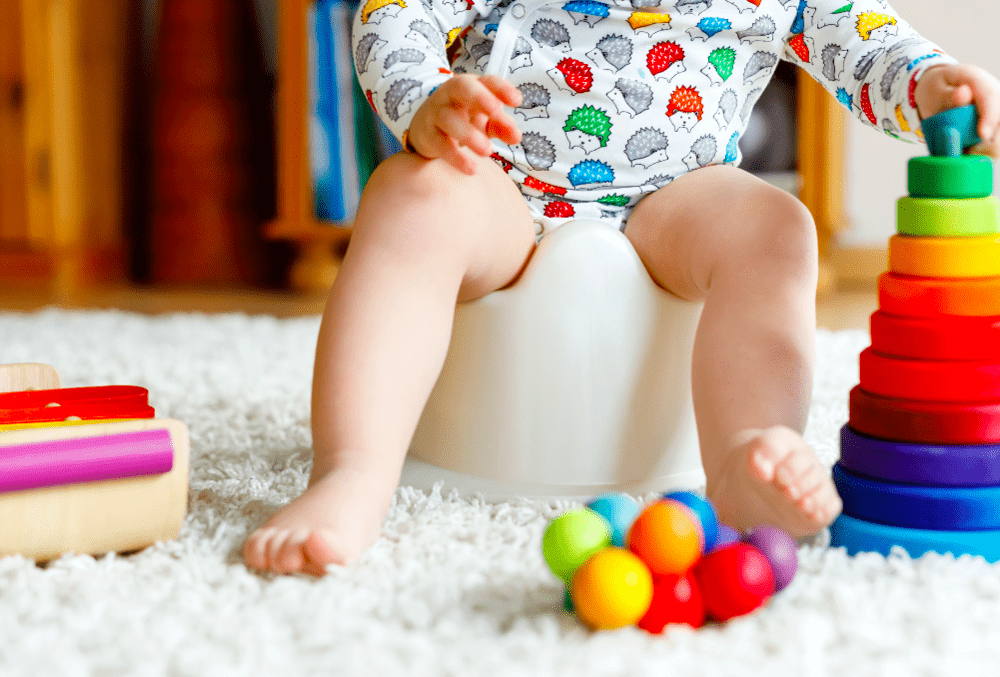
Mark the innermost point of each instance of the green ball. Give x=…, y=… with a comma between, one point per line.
x=572, y=538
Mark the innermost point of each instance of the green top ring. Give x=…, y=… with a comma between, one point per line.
x=946, y=218
x=959, y=178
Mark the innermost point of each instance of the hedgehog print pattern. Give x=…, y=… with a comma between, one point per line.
x=620, y=98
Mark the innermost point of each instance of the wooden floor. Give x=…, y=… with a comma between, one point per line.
x=844, y=309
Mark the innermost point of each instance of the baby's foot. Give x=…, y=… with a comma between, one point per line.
x=337, y=518
x=773, y=477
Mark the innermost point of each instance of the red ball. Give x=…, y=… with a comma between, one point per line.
x=734, y=580
x=676, y=599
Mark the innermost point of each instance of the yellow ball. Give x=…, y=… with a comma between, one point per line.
x=612, y=589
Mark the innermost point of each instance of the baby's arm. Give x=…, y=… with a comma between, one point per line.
x=401, y=59
x=950, y=86
x=868, y=57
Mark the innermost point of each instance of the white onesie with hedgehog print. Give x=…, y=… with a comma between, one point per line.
x=619, y=100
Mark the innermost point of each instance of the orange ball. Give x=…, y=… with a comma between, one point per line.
x=667, y=536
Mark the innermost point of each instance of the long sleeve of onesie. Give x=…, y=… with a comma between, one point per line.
x=864, y=54
x=400, y=52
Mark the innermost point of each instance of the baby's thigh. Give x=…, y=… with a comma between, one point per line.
x=715, y=219
x=474, y=225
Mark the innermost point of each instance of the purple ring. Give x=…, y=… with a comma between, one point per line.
x=931, y=465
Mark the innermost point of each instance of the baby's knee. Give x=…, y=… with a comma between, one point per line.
x=783, y=232
x=409, y=179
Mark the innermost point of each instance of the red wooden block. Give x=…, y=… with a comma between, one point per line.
x=924, y=422
x=87, y=404
x=931, y=380
x=944, y=337
x=930, y=297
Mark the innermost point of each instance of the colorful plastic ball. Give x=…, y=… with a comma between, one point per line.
x=612, y=589
x=734, y=581
x=780, y=550
x=703, y=509
x=667, y=536
x=676, y=599
x=572, y=538
x=619, y=510
x=726, y=536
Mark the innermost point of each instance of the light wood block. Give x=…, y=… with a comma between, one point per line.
x=28, y=376
x=96, y=517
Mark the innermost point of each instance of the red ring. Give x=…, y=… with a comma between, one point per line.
x=924, y=422
x=934, y=381
x=945, y=337
x=931, y=296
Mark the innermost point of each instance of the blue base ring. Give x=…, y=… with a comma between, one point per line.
x=909, y=505
x=931, y=465
x=859, y=536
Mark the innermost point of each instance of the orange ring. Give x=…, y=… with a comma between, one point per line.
x=945, y=256
x=931, y=296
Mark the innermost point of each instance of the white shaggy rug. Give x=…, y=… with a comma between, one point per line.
x=455, y=587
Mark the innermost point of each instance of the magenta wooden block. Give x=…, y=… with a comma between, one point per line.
x=85, y=459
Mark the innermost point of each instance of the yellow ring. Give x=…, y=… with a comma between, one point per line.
x=945, y=256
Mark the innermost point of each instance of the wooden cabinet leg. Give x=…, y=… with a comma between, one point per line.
x=315, y=268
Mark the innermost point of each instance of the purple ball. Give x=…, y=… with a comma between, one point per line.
x=780, y=550
x=726, y=536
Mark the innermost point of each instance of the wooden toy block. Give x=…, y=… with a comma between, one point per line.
x=916, y=506
x=967, y=465
x=924, y=422
x=945, y=337
x=95, y=517
x=859, y=536
x=956, y=178
x=945, y=257
x=932, y=297
x=946, y=218
x=28, y=376
x=92, y=403
x=950, y=132
x=929, y=380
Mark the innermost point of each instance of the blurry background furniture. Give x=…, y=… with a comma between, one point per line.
x=61, y=118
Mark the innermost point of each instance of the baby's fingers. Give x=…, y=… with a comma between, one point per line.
x=456, y=126
x=459, y=157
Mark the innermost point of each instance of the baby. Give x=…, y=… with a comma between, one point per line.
x=614, y=108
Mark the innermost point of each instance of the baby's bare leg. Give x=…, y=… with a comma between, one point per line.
x=749, y=251
x=425, y=236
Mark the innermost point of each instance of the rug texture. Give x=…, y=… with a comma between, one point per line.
x=454, y=587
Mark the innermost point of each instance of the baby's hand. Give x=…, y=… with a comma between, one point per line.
x=459, y=118
x=948, y=86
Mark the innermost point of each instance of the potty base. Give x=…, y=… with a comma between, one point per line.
x=422, y=475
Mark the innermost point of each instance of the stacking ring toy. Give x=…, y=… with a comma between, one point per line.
x=975, y=465
x=957, y=337
x=946, y=218
x=945, y=256
x=924, y=422
x=909, y=505
x=858, y=536
x=929, y=380
x=957, y=178
x=929, y=297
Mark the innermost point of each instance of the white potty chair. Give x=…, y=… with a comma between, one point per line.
x=574, y=381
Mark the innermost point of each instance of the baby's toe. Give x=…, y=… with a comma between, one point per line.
x=274, y=546
x=255, y=548
x=821, y=504
x=291, y=558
